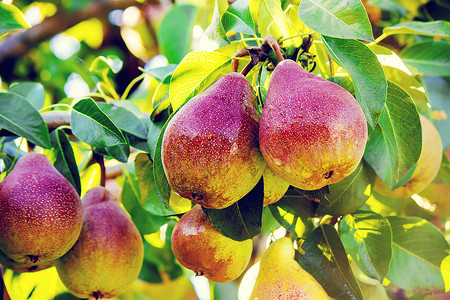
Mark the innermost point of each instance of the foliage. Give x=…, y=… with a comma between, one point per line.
x=104, y=106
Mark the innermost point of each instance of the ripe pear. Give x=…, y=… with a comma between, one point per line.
x=210, y=150
x=281, y=277
x=274, y=187
x=427, y=167
x=108, y=255
x=41, y=213
x=312, y=132
x=24, y=267
x=438, y=195
x=200, y=247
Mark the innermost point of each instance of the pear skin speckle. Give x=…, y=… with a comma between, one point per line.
x=41, y=211
x=312, y=132
x=210, y=150
x=200, y=247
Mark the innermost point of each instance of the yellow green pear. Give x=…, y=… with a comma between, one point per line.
x=274, y=187
x=438, y=193
x=200, y=247
x=281, y=277
x=427, y=166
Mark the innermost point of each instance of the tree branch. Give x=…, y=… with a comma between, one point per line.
x=18, y=43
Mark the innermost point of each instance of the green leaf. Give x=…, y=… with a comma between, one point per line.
x=239, y=18
x=161, y=73
x=149, y=193
x=337, y=199
x=154, y=131
x=21, y=118
x=395, y=145
x=429, y=57
x=162, y=184
x=103, y=64
x=164, y=258
x=289, y=221
x=366, y=72
x=241, y=220
x=32, y=91
x=367, y=238
x=64, y=158
x=175, y=31
x=91, y=125
x=274, y=21
x=437, y=28
x=11, y=18
x=196, y=71
x=418, y=250
x=349, y=194
x=145, y=222
x=339, y=19
x=325, y=259
x=121, y=152
x=214, y=35
x=124, y=118
x=407, y=82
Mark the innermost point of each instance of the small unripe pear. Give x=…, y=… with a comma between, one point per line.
x=41, y=213
x=108, y=255
x=200, y=247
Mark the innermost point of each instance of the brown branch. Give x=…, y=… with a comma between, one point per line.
x=18, y=43
x=56, y=118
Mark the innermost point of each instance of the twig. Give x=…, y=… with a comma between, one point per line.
x=18, y=43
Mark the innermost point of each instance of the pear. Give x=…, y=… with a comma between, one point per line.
x=200, y=247
x=41, y=213
x=210, y=150
x=427, y=167
x=108, y=255
x=312, y=132
x=437, y=194
x=274, y=187
x=281, y=277
x=24, y=267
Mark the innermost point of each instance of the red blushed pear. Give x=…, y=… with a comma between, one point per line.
x=41, y=213
x=427, y=167
x=210, y=148
x=200, y=247
x=108, y=255
x=312, y=132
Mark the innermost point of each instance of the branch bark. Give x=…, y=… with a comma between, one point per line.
x=17, y=44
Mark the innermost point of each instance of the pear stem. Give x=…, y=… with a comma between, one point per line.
x=247, y=68
x=101, y=162
x=270, y=43
x=235, y=61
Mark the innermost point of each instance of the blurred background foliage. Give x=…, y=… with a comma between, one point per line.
x=61, y=50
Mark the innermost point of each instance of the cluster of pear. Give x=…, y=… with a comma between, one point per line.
x=216, y=148
x=94, y=245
